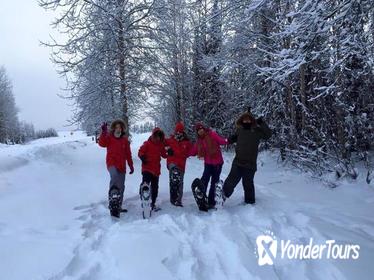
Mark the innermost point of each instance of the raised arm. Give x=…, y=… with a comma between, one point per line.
x=265, y=131
x=104, y=136
x=219, y=139
x=233, y=138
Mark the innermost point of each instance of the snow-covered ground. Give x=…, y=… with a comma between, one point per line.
x=54, y=223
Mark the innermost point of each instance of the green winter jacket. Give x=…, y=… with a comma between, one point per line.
x=247, y=142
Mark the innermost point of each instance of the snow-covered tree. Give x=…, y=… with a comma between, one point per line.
x=169, y=66
x=305, y=65
x=103, y=55
x=9, y=124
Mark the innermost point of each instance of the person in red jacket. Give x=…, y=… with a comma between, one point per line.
x=150, y=154
x=118, y=153
x=178, y=148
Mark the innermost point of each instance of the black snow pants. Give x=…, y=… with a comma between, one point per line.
x=151, y=179
x=236, y=174
x=212, y=173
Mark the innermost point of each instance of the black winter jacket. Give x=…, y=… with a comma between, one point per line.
x=247, y=142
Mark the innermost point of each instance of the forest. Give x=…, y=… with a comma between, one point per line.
x=13, y=130
x=306, y=66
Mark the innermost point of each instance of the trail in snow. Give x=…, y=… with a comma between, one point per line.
x=54, y=222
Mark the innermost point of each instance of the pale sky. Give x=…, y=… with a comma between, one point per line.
x=35, y=80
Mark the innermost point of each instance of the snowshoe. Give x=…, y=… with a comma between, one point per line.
x=249, y=202
x=178, y=204
x=199, y=194
x=145, y=200
x=155, y=208
x=114, y=201
x=115, y=214
x=175, y=181
x=219, y=195
x=203, y=208
x=211, y=207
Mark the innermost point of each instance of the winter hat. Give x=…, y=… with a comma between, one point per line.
x=199, y=126
x=179, y=127
x=244, y=116
x=115, y=123
x=155, y=130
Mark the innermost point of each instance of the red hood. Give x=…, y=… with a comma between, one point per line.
x=179, y=127
x=158, y=130
x=155, y=130
x=199, y=126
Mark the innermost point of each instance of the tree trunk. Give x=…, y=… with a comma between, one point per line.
x=176, y=65
x=121, y=67
x=292, y=112
x=303, y=95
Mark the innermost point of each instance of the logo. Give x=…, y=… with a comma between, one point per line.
x=267, y=247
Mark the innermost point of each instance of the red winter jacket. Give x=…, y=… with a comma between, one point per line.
x=209, y=147
x=118, y=151
x=181, y=151
x=152, y=152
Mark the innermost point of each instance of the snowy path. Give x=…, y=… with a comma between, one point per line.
x=57, y=190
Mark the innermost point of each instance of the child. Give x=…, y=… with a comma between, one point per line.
x=178, y=148
x=208, y=147
x=118, y=153
x=249, y=133
x=150, y=154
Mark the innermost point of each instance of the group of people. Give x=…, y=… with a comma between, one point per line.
x=178, y=147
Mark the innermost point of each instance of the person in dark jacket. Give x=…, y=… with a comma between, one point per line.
x=150, y=154
x=249, y=133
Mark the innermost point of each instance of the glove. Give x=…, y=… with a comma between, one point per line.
x=170, y=152
x=143, y=159
x=181, y=136
x=131, y=169
x=104, y=128
x=232, y=139
x=260, y=120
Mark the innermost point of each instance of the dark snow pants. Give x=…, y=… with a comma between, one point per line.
x=236, y=174
x=212, y=173
x=151, y=179
x=117, y=179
